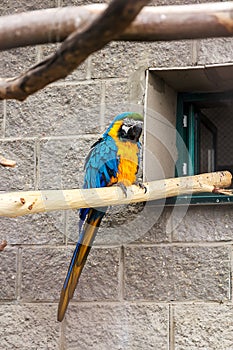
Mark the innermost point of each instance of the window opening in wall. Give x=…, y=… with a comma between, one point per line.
x=198, y=103
x=205, y=123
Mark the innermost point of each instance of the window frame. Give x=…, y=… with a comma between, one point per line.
x=186, y=133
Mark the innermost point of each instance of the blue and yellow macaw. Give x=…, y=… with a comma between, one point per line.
x=113, y=159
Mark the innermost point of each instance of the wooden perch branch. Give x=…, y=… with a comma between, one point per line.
x=22, y=203
x=74, y=50
x=153, y=23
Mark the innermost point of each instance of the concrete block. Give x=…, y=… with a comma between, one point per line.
x=117, y=326
x=116, y=99
x=117, y=59
x=203, y=327
x=122, y=59
x=8, y=271
x=29, y=327
x=8, y=7
x=177, y=273
x=217, y=50
x=22, y=176
x=167, y=54
x=154, y=225
x=211, y=223
x=62, y=162
x=43, y=228
x=66, y=110
x=16, y=61
x=44, y=271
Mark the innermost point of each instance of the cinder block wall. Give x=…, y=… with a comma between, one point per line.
x=167, y=287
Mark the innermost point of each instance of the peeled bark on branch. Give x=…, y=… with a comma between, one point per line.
x=21, y=203
x=153, y=23
x=74, y=50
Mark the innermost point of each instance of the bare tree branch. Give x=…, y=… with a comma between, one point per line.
x=74, y=50
x=21, y=203
x=153, y=23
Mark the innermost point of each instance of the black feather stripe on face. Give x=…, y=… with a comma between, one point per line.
x=130, y=130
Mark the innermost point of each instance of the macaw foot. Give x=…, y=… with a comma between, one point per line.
x=123, y=187
x=141, y=185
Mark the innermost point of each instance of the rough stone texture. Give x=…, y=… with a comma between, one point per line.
x=8, y=7
x=8, y=274
x=62, y=162
x=22, y=177
x=112, y=61
x=198, y=225
x=177, y=273
x=44, y=277
x=121, y=59
x=29, y=327
x=44, y=228
x=117, y=327
x=116, y=99
x=155, y=226
x=221, y=51
x=203, y=327
x=48, y=268
x=66, y=110
x=16, y=61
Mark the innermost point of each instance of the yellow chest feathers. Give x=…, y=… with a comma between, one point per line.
x=128, y=158
x=128, y=164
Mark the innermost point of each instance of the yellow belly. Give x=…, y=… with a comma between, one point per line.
x=128, y=164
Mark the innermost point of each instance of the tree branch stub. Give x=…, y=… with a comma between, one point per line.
x=7, y=162
x=3, y=245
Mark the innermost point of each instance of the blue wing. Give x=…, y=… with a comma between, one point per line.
x=101, y=164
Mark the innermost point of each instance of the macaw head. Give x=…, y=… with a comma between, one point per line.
x=126, y=127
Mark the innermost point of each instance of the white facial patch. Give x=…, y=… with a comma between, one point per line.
x=125, y=128
x=131, y=122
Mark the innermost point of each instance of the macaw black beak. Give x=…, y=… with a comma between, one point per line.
x=134, y=132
